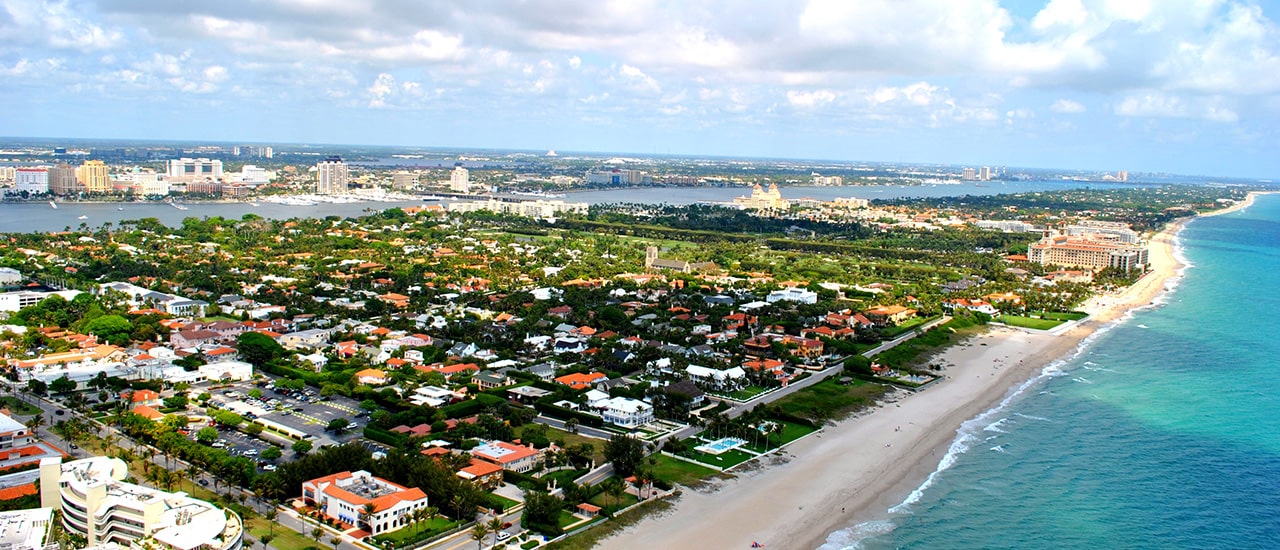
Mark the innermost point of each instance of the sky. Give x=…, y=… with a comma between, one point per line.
x=1178, y=86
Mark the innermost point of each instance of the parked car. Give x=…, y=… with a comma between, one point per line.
x=204, y=482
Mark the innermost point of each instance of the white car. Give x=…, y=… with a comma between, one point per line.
x=503, y=535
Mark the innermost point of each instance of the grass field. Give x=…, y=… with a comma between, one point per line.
x=830, y=400
x=18, y=407
x=283, y=537
x=673, y=470
x=726, y=459
x=1059, y=315
x=1030, y=322
x=597, y=445
x=790, y=432
x=567, y=518
x=611, y=503
x=894, y=332
x=746, y=393
x=417, y=532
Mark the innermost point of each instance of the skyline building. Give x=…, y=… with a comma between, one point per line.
x=34, y=181
x=190, y=168
x=94, y=176
x=460, y=180
x=62, y=180
x=331, y=176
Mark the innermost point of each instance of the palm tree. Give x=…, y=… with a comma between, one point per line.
x=613, y=487
x=335, y=540
x=458, y=503
x=266, y=540
x=35, y=422
x=478, y=533
x=270, y=516
x=367, y=515
x=495, y=526
x=571, y=425
x=315, y=533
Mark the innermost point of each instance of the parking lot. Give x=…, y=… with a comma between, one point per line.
x=304, y=411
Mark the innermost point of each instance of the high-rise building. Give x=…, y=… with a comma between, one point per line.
x=331, y=176
x=94, y=176
x=460, y=180
x=62, y=180
x=192, y=169
x=968, y=174
x=33, y=181
x=268, y=152
x=1122, y=175
x=984, y=173
x=7, y=173
x=404, y=179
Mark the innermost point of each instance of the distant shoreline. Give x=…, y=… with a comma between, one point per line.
x=861, y=468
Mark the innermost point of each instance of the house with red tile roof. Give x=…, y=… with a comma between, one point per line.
x=372, y=377
x=148, y=412
x=481, y=473
x=581, y=381
x=510, y=456
x=344, y=496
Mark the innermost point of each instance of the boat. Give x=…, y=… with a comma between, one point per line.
x=53, y=204
x=120, y=208
x=176, y=205
x=83, y=218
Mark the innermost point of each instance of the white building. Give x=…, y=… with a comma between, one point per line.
x=343, y=496
x=25, y=529
x=431, y=396
x=97, y=504
x=7, y=173
x=10, y=276
x=139, y=297
x=533, y=209
x=254, y=175
x=35, y=181
x=331, y=176
x=717, y=380
x=793, y=295
x=195, y=169
x=460, y=180
x=14, y=301
x=1008, y=226
x=627, y=412
x=220, y=371
x=149, y=183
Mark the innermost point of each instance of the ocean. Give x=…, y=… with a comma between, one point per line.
x=1163, y=431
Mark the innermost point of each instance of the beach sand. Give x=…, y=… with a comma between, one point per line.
x=856, y=470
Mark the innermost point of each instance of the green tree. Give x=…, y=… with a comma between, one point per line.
x=258, y=348
x=62, y=385
x=478, y=533
x=337, y=425
x=301, y=447
x=113, y=329
x=255, y=393
x=625, y=453
x=37, y=387
x=207, y=435
x=271, y=453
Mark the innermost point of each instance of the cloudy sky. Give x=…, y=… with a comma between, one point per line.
x=1184, y=86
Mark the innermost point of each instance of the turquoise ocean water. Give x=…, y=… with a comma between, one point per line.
x=1162, y=432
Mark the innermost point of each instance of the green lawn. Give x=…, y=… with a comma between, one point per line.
x=1030, y=322
x=414, y=533
x=563, y=477
x=1060, y=315
x=723, y=460
x=790, y=432
x=284, y=538
x=672, y=470
x=18, y=407
x=830, y=400
x=614, y=503
x=574, y=439
x=567, y=518
x=506, y=503
x=745, y=394
x=893, y=332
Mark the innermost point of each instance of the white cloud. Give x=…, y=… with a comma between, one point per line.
x=1163, y=105
x=810, y=99
x=1067, y=106
x=637, y=76
x=575, y=61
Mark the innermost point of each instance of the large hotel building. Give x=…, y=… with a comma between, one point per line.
x=1092, y=251
x=97, y=504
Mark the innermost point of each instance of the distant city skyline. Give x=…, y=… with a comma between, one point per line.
x=1113, y=85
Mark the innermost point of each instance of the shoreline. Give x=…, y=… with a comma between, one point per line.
x=861, y=468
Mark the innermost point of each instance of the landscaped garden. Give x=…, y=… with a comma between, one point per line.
x=418, y=531
x=1030, y=322
x=673, y=470
x=727, y=459
x=790, y=432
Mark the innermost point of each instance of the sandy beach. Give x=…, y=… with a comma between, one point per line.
x=859, y=468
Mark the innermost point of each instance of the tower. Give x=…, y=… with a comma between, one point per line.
x=650, y=255
x=331, y=176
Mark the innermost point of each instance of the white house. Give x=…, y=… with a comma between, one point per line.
x=226, y=371
x=719, y=380
x=627, y=412
x=793, y=295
